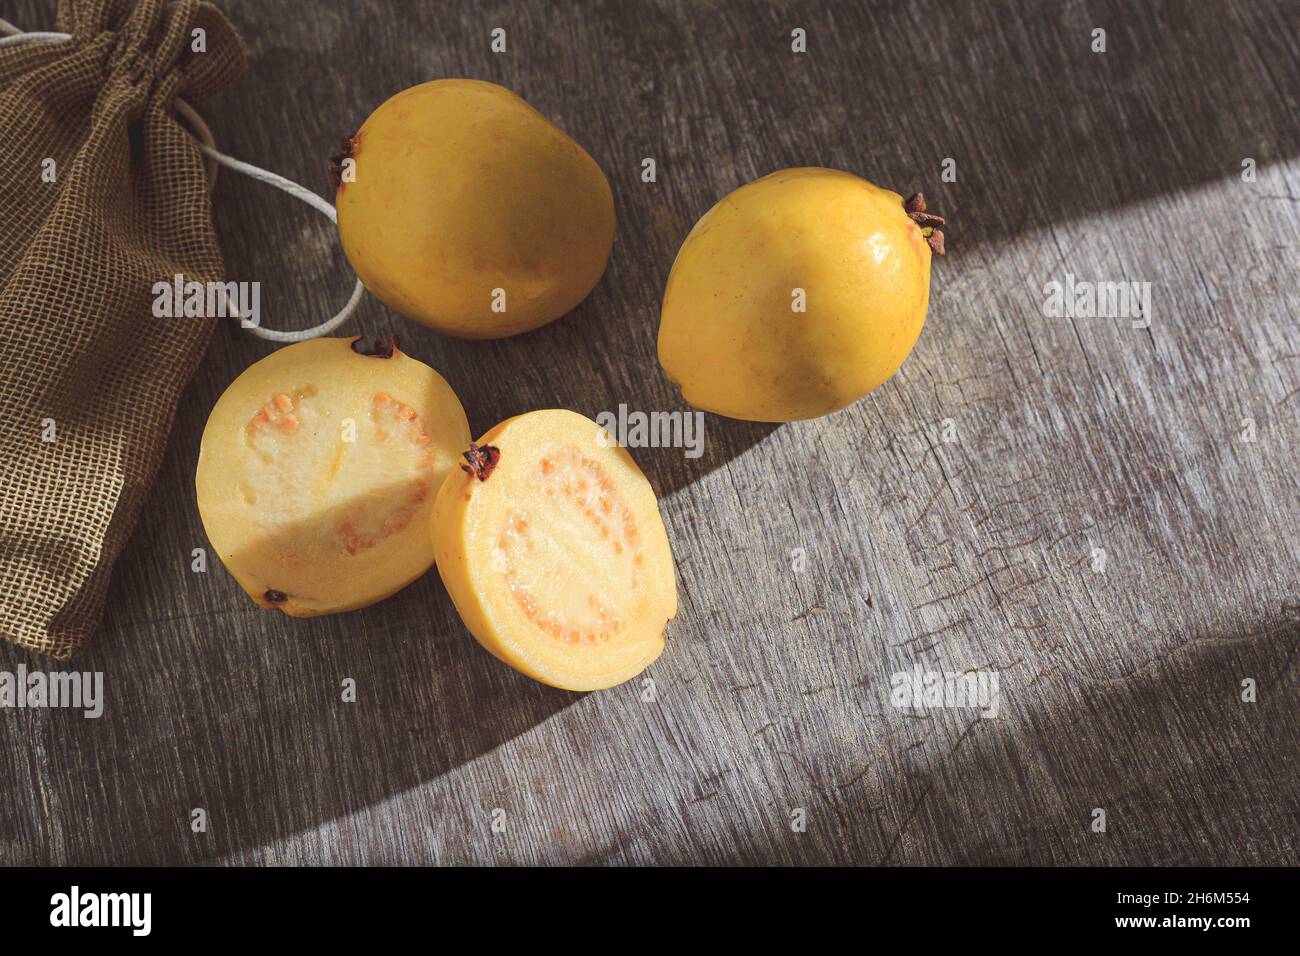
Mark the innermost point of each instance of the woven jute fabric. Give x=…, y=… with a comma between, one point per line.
x=102, y=195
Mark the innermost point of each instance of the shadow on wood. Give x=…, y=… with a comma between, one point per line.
x=1135, y=748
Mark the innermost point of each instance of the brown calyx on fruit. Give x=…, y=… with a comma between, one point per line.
x=380, y=348
x=275, y=597
x=482, y=460
x=348, y=150
x=914, y=206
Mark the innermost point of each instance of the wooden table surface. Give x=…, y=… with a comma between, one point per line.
x=1105, y=516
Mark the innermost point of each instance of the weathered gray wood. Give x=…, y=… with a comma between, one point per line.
x=1119, y=690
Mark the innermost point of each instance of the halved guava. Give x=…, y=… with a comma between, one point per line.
x=550, y=542
x=318, y=470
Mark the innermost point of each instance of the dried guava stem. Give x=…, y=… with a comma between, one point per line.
x=275, y=597
x=380, y=348
x=346, y=151
x=482, y=460
x=914, y=206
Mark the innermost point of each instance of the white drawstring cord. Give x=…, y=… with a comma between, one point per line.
x=207, y=146
x=18, y=36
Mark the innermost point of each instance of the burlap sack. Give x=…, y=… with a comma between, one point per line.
x=89, y=379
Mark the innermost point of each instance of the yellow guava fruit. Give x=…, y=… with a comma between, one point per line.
x=796, y=295
x=318, y=470
x=551, y=545
x=462, y=207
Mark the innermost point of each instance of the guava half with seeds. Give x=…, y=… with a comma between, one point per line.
x=318, y=470
x=550, y=542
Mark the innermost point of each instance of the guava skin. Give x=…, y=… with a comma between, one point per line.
x=472, y=213
x=794, y=296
